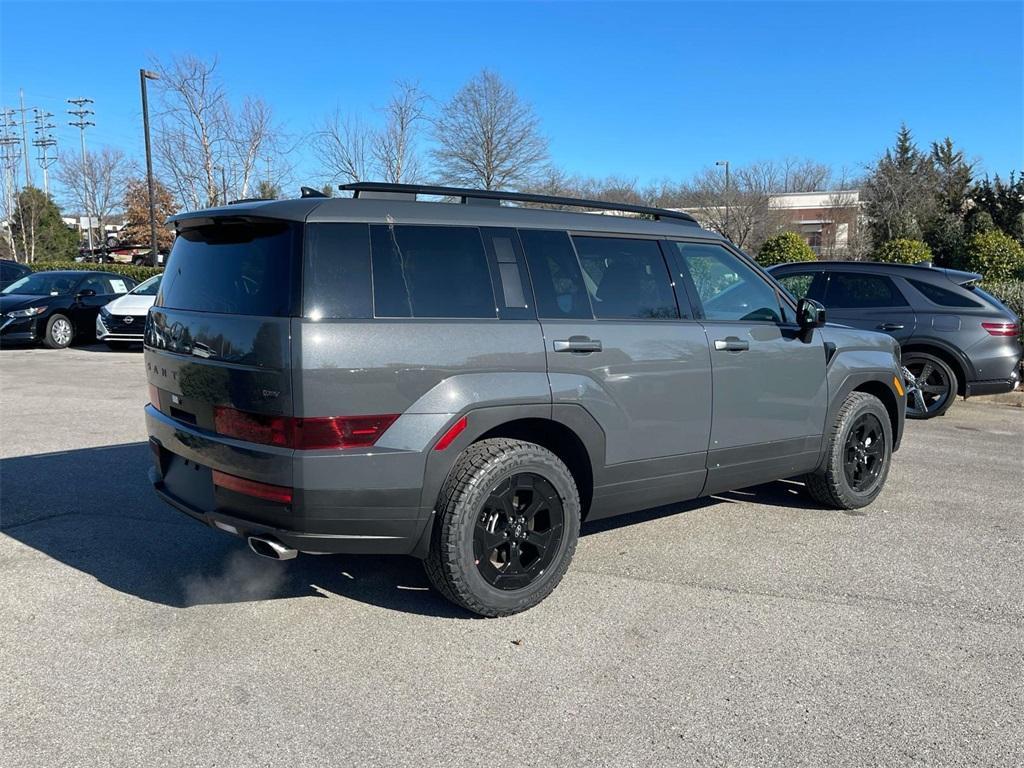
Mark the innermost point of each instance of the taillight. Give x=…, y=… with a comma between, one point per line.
x=340, y=431
x=252, y=427
x=1001, y=329
x=278, y=493
x=323, y=432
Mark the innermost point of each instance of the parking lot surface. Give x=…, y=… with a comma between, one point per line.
x=748, y=629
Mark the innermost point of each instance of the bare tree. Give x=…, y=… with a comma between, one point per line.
x=394, y=147
x=488, y=137
x=203, y=147
x=342, y=147
x=803, y=175
x=96, y=183
x=740, y=210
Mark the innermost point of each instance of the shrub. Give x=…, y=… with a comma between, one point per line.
x=902, y=251
x=996, y=255
x=128, y=270
x=784, y=247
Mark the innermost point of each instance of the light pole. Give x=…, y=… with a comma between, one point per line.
x=726, y=164
x=145, y=75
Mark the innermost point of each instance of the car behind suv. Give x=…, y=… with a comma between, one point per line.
x=955, y=337
x=466, y=382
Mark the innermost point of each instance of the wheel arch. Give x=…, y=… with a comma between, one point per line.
x=568, y=431
x=884, y=393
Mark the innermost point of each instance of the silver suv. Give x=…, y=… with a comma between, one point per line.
x=468, y=382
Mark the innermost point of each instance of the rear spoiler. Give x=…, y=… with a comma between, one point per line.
x=959, y=277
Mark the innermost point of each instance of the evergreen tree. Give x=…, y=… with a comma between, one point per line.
x=899, y=193
x=38, y=231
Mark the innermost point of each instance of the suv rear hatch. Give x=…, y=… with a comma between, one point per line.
x=218, y=358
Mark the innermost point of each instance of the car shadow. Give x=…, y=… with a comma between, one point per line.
x=93, y=509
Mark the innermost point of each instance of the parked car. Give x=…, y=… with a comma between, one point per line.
x=11, y=271
x=57, y=307
x=121, y=322
x=955, y=337
x=466, y=383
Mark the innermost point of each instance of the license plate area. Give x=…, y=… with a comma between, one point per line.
x=188, y=481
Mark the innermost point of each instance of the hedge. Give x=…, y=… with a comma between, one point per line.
x=995, y=255
x=902, y=251
x=784, y=248
x=128, y=270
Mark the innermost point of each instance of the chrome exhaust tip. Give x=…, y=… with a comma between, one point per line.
x=275, y=550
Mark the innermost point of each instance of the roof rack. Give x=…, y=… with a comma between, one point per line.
x=473, y=195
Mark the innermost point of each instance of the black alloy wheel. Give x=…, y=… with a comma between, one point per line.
x=518, y=531
x=864, y=453
x=934, y=390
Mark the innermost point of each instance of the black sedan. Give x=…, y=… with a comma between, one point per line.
x=57, y=307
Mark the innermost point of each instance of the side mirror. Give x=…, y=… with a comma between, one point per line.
x=85, y=294
x=810, y=314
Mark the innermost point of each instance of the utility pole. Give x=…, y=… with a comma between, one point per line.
x=145, y=75
x=24, y=139
x=726, y=164
x=81, y=124
x=44, y=142
x=10, y=153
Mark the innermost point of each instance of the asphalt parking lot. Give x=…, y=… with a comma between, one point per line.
x=749, y=629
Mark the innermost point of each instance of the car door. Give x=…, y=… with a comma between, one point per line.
x=617, y=345
x=106, y=288
x=770, y=392
x=870, y=301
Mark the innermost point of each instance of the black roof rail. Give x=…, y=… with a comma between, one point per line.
x=466, y=195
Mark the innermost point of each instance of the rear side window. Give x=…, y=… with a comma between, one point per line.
x=854, y=291
x=233, y=267
x=336, y=271
x=430, y=272
x=555, y=272
x=942, y=296
x=626, y=278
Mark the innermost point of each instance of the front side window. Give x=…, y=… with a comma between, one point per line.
x=851, y=290
x=423, y=271
x=799, y=284
x=728, y=289
x=626, y=278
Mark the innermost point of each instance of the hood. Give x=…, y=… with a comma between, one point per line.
x=131, y=304
x=12, y=301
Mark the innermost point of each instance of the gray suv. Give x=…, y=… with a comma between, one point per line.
x=955, y=337
x=466, y=383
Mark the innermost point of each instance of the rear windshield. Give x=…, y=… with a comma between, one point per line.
x=233, y=267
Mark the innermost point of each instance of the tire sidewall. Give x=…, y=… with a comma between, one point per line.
x=874, y=407
x=468, y=508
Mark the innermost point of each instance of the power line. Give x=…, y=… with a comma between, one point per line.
x=44, y=142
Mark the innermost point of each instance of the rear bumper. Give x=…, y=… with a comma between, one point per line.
x=992, y=387
x=341, y=503
x=395, y=537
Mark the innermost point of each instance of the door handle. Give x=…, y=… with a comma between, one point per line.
x=891, y=327
x=731, y=344
x=581, y=344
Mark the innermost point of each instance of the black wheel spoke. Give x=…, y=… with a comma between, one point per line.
x=864, y=452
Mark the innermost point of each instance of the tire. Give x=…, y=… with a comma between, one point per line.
x=937, y=381
x=834, y=486
x=490, y=482
x=59, y=332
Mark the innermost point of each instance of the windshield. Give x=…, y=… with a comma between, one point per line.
x=148, y=287
x=43, y=284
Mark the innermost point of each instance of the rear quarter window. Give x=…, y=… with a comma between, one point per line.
x=853, y=290
x=234, y=267
x=427, y=271
x=942, y=296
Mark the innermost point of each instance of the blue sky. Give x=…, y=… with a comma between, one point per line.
x=641, y=90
